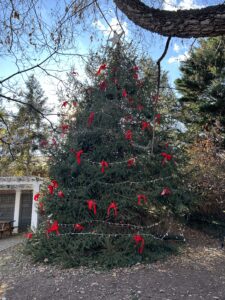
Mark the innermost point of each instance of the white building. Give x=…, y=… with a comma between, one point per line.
x=17, y=201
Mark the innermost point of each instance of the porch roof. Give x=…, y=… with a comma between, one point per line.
x=22, y=182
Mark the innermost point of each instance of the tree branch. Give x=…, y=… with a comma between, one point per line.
x=28, y=104
x=205, y=22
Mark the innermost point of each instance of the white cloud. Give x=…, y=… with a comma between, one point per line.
x=115, y=25
x=176, y=47
x=179, y=58
x=188, y=4
x=183, y=4
x=170, y=5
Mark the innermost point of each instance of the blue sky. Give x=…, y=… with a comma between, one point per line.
x=178, y=49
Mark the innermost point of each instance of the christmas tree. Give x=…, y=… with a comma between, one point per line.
x=114, y=178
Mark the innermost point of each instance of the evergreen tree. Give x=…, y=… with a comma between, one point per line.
x=113, y=182
x=202, y=85
x=29, y=132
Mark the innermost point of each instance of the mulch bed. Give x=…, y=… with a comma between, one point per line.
x=197, y=273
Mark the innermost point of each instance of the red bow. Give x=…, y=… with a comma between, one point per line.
x=103, y=85
x=78, y=227
x=55, y=184
x=135, y=76
x=104, y=165
x=53, y=227
x=128, y=135
x=102, y=67
x=65, y=103
x=64, y=128
x=135, y=68
x=142, y=197
x=78, y=155
x=145, y=125
x=61, y=194
x=166, y=192
x=36, y=196
x=29, y=235
x=157, y=119
x=50, y=189
x=124, y=93
x=166, y=157
x=92, y=205
x=91, y=118
x=113, y=206
x=131, y=162
x=74, y=103
x=139, y=240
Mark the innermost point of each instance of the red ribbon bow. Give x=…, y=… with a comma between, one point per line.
x=65, y=103
x=78, y=155
x=166, y=192
x=166, y=157
x=104, y=165
x=135, y=76
x=78, y=227
x=131, y=162
x=51, y=189
x=124, y=93
x=128, y=135
x=53, y=227
x=139, y=240
x=92, y=205
x=145, y=125
x=29, y=235
x=135, y=68
x=74, y=103
x=36, y=196
x=55, y=184
x=101, y=68
x=91, y=118
x=61, y=194
x=64, y=128
x=142, y=197
x=113, y=206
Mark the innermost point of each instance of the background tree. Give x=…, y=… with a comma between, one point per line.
x=203, y=109
x=113, y=182
x=27, y=134
x=202, y=86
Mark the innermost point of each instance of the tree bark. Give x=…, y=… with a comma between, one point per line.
x=204, y=22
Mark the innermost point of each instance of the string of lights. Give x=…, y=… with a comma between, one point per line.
x=115, y=224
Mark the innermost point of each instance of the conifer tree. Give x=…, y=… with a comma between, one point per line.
x=202, y=86
x=113, y=182
x=29, y=131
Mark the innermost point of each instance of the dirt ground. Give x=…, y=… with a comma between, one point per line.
x=198, y=273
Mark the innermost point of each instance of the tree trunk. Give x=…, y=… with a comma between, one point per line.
x=204, y=22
